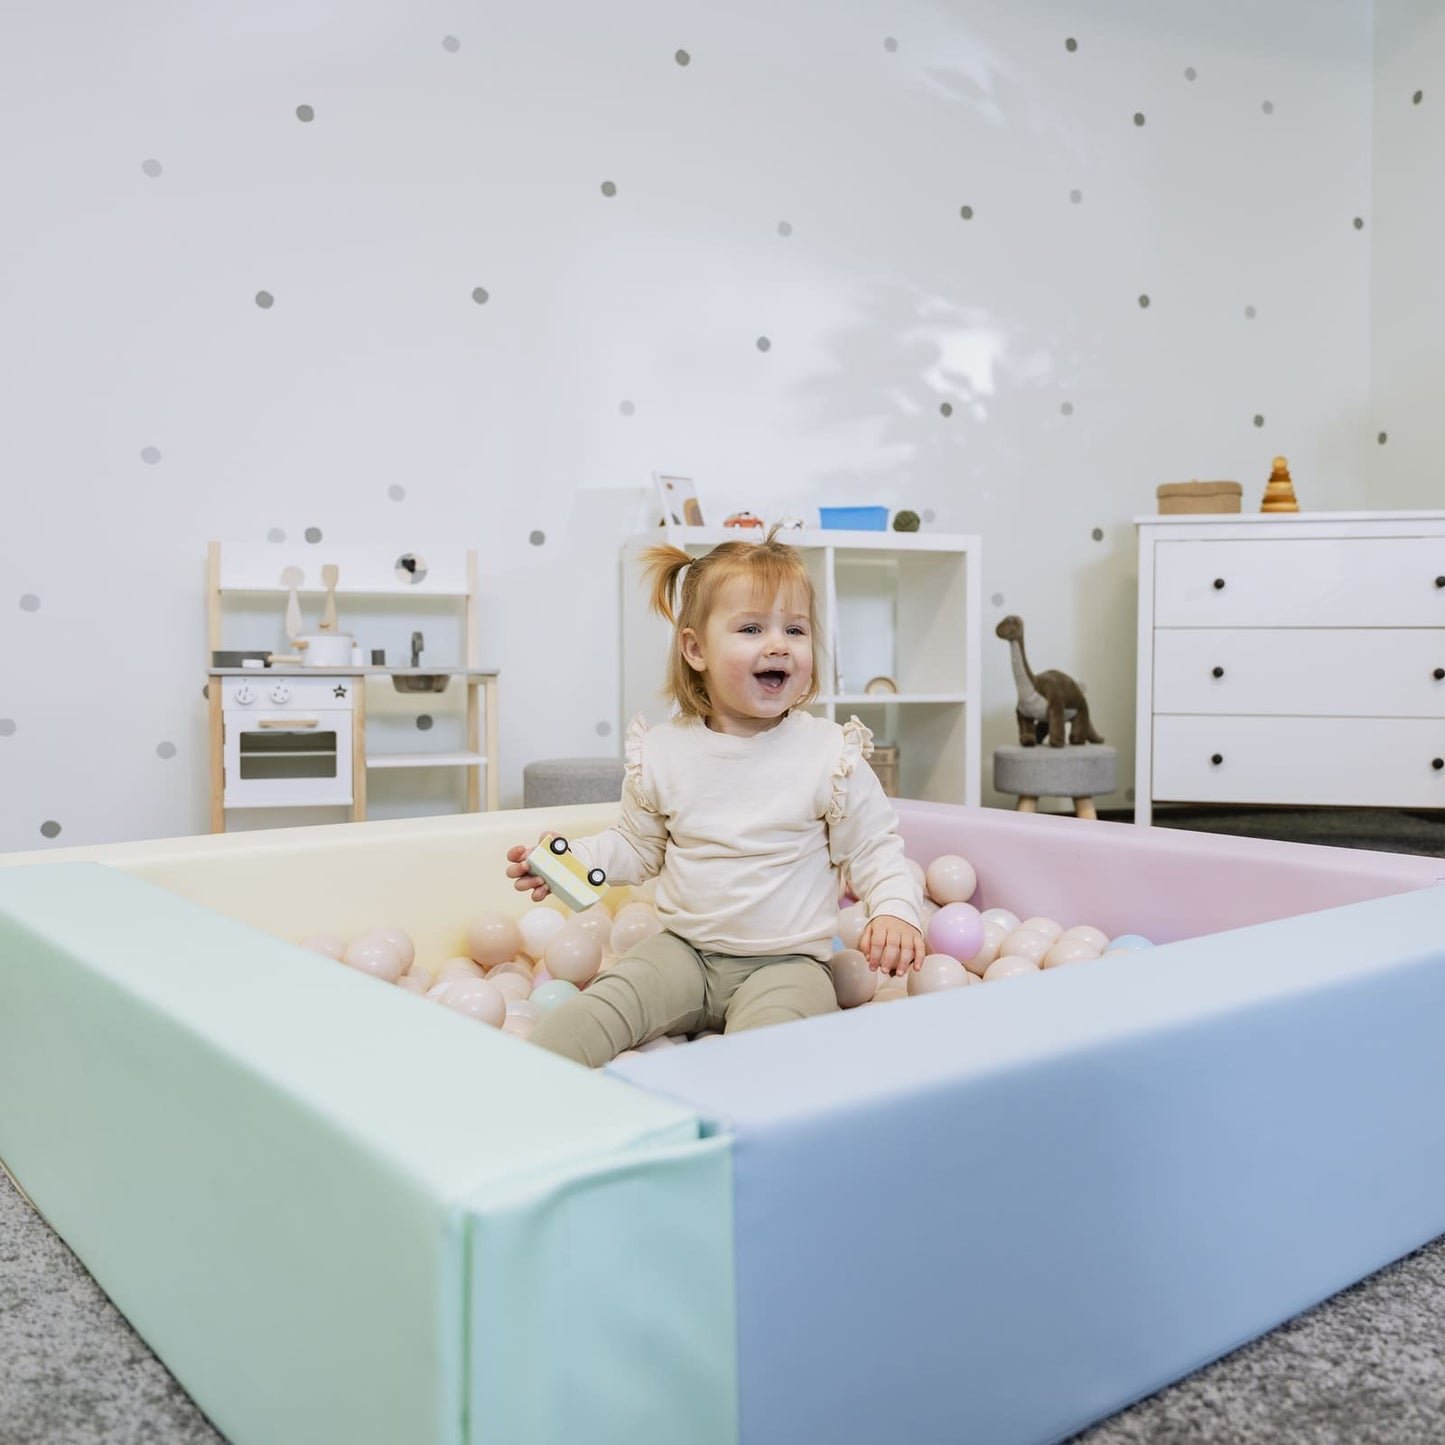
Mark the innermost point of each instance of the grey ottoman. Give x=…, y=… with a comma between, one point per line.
x=1082, y=772
x=551, y=781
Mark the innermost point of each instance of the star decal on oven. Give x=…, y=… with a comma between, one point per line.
x=339, y=690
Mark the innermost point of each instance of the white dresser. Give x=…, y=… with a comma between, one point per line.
x=1292, y=659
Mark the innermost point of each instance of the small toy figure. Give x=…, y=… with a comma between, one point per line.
x=1047, y=700
x=1279, y=490
x=743, y=519
x=553, y=863
x=906, y=522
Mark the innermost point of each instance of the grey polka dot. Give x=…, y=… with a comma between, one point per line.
x=1258, y=419
x=609, y=188
x=537, y=538
x=481, y=295
x=1383, y=437
x=785, y=228
x=1097, y=534
x=451, y=43
x=966, y=212
x=1071, y=45
x=50, y=829
x=1417, y=97
x=1144, y=301
x=604, y=729
x=890, y=44
x=997, y=599
x=1138, y=117
x=946, y=408
x=1067, y=408
x=304, y=112
x=151, y=168
x=1076, y=196
x=1129, y=794
x=313, y=534
x=928, y=515
x=764, y=344
x=165, y=750
x=396, y=493
x=265, y=300
x=627, y=408
x=7, y=727
x=1268, y=107
x=424, y=722
x=1190, y=73
x=1359, y=223
x=150, y=455
x=275, y=535
x=1250, y=313
x=30, y=603
x=206, y=692
x=683, y=58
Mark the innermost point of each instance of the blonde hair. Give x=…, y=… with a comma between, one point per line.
x=685, y=591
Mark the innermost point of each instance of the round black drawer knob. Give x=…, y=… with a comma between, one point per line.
x=1439, y=582
x=1219, y=583
x=1216, y=672
x=1437, y=763
x=1219, y=758
x=1439, y=674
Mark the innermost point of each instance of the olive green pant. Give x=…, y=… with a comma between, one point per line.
x=666, y=986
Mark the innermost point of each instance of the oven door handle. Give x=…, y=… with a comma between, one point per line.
x=288, y=722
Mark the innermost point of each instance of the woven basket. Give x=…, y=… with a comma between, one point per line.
x=1179, y=498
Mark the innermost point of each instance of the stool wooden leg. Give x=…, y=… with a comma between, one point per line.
x=1084, y=808
x=1028, y=805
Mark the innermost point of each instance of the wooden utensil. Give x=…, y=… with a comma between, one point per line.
x=329, y=574
x=293, y=577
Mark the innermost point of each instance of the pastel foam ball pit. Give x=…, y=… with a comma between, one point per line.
x=957, y=930
x=1009, y=966
x=478, y=999
x=574, y=953
x=853, y=981
x=940, y=971
x=375, y=956
x=1128, y=943
x=950, y=879
x=536, y=926
x=494, y=938
x=546, y=996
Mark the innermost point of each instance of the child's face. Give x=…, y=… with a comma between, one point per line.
x=756, y=654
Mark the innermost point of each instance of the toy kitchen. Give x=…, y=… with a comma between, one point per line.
x=288, y=728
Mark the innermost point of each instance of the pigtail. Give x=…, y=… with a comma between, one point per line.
x=662, y=569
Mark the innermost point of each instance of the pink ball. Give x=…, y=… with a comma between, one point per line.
x=957, y=930
x=478, y=999
x=951, y=879
x=493, y=939
x=853, y=981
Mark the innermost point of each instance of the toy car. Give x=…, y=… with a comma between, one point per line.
x=554, y=863
x=743, y=519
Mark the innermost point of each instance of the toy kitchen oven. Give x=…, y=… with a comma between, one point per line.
x=289, y=741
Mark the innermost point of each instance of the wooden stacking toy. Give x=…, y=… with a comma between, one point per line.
x=1279, y=490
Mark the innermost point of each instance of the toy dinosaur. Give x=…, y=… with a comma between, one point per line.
x=1047, y=700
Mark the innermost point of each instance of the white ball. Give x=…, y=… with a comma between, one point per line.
x=478, y=999
x=631, y=926
x=375, y=956
x=333, y=945
x=595, y=920
x=519, y=1027
x=1003, y=915
x=574, y=953
x=1091, y=935
x=493, y=938
x=523, y=1009
x=1025, y=943
x=536, y=926
x=511, y=985
x=851, y=923
x=853, y=981
x=916, y=872
x=1009, y=966
x=951, y=879
x=1069, y=950
x=1043, y=925
x=995, y=930
x=940, y=971
x=412, y=984
x=458, y=968
x=400, y=939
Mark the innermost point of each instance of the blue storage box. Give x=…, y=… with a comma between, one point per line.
x=854, y=519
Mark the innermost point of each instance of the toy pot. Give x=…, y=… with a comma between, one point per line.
x=325, y=649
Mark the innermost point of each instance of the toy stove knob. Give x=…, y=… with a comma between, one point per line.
x=244, y=694
x=280, y=693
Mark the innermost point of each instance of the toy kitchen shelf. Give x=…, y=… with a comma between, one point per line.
x=899, y=608
x=295, y=736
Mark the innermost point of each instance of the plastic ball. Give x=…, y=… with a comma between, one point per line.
x=332, y=945
x=940, y=971
x=632, y=925
x=519, y=1027
x=400, y=939
x=1044, y=925
x=1069, y=950
x=574, y=954
x=995, y=930
x=915, y=871
x=512, y=965
x=851, y=922
x=523, y=1008
x=374, y=956
x=413, y=984
x=478, y=999
x=494, y=938
x=1002, y=915
x=1025, y=943
x=546, y=996
x=596, y=921
x=853, y=981
x=1009, y=966
x=1128, y=943
x=950, y=879
x=536, y=926
x=458, y=968
x=1095, y=936
x=438, y=991
x=957, y=930
x=511, y=985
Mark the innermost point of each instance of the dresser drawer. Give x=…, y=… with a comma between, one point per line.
x=1328, y=761
x=1301, y=582
x=1341, y=672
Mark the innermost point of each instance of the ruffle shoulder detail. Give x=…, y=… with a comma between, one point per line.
x=632, y=760
x=857, y=744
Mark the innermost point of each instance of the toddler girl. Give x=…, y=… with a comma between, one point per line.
x=744, y=808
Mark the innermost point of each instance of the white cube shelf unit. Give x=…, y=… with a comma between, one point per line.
x=899, y=605
x=1292, y=659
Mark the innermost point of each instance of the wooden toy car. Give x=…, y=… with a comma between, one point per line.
x=554, y=863
x=743, y=519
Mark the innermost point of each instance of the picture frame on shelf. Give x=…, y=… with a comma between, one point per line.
x=678, y=496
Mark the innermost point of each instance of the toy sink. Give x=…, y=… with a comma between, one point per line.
x=420, y=681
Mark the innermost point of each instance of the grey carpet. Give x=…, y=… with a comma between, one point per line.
x=1364, y=1368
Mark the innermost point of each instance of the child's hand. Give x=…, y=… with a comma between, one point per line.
x=525, y=881
x=892, y=945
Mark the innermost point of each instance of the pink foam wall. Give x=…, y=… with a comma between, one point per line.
x=1162, y=882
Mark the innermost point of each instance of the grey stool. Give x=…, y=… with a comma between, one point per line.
x=551, y=781
x=1082, y=772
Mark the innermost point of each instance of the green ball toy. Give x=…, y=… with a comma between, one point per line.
x=906, y=522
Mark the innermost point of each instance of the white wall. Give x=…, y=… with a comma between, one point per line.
x=148, y=403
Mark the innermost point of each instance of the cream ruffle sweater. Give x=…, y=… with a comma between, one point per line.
x=747, y=836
